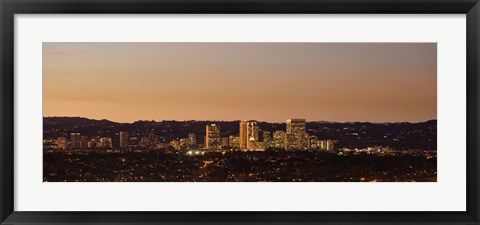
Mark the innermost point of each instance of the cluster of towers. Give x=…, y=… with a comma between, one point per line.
x=78, y=141
x=250, y=137
x=295, y=137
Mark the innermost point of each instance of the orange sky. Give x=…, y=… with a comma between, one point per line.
x=125, y=82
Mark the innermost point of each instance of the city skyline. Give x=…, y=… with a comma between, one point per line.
x=83, y=150
x=343, y=82
x=294, y=137
x=249, y=135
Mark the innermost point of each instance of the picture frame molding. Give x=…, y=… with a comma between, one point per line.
x=9, y=8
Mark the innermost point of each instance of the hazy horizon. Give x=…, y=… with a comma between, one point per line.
x=334, y=82
x=233, y=120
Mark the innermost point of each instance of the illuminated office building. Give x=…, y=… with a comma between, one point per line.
x=212, y=137
x=297, y=137
x=123, y=139
x=267, y=139
x=252, y=135
x=278, y=141
x=249, y=135
x=243, y=134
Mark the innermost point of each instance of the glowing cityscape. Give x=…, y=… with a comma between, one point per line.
x=239, y=112
x=241, y=151
x=295, y=137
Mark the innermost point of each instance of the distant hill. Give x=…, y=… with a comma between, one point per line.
x=61, y=122
x=428, y=122
x=79, y=121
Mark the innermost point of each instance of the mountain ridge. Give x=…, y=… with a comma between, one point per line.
x=83, y=120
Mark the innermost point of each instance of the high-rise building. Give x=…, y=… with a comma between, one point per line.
x=267, y=139
x=192, y=140
x=123, y=139
x=249, y=135
x=297, y=137
x=212, y=137
x=242, y=135
x=61, y=143
x=278, y=141
x=233, y=142
x=252, y=135
x=75, y=140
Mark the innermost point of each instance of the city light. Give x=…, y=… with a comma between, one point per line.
x=241, y=151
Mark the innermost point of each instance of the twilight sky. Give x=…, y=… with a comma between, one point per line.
x=125, y=82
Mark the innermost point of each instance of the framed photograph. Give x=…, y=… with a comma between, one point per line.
x=239, y=112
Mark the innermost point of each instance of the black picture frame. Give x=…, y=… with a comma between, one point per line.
x=9, y=8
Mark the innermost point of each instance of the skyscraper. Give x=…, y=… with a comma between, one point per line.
x=243, y=134
x=123, y=139
x=212, y=137
x=252, y=135
x=278, y=141
x=249, y=135
x=267, y=139
x=75, y=140
x=297, y=137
